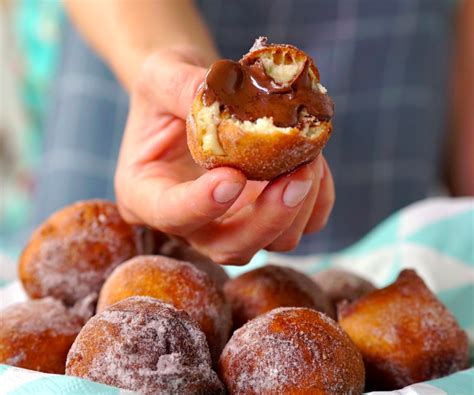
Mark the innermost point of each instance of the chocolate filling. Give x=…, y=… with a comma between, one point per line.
x=249, y=93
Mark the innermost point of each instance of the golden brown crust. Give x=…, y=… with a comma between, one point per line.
x=261, y=290
x=178, y=283
x=340, y=285
x=175, y=248
x=144, y=345
x=259, y=155
x=70, y=255
x=405, y=334
x=291, y=351
x=37, y=335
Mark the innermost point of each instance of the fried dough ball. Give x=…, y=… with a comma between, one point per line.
x=268, y=287
x=178, y=283
x=291, y=351
x=341, y=285
x=264, y=115
x=37, y=335
x=71, y=254
x=405, y=334
x=144, y=345
x=173, y=248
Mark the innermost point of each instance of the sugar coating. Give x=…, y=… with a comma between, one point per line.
x=295, y=350
x=259, y=43
x=263, y=289
x=34, y=317
x=261, y=150
x=405, y=334
x=182, y=285
x=341, y=285
x=30, y=329
x=144, y=345
x=178, y=250
x=73, y=252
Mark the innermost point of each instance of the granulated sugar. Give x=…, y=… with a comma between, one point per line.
x=145, y=345
x=72, y=253
x=34, y=317
x=178, y=283
x=405, y=333
x=290, y=350
x=37, y=334
x=342, y=285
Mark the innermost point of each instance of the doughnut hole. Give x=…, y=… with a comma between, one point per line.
x=405, y=334
x=261, y=290
x=177, y=283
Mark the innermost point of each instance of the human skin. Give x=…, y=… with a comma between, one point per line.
x=161, y=61
x=459, y=169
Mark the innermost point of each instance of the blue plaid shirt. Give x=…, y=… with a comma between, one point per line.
x=385, y=63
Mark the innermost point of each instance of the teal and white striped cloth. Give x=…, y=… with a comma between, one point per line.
x=435, y=237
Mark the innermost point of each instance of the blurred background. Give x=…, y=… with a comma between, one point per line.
x=387, y=64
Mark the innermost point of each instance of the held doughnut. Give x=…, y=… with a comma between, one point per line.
x=264, y=115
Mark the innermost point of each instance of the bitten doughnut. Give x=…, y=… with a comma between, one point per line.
x=71, y=254
x=37, y=335
x=264, y=115
x=291, y=351
x=266, y=288
x=405, y=334
x=144, y=345
x=178, y=283
x=341, y=285
x=173, y=248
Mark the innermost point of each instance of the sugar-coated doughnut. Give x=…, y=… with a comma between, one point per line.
x=291, y=351
x=405, y=334
x=144, y=345
x=175, y=282
x=341, y=285
x=268, y=287
x=37, y=335
x=71, y=254
x=174, y=248
x=264, y=115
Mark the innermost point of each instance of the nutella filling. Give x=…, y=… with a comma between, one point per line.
x=249, y=93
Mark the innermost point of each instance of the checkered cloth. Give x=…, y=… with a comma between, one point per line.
x=385, y=63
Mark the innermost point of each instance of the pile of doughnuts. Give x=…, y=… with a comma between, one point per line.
x=111, y=303
x=140, y=310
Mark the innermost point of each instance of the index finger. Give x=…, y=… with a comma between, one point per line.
x=171, y=82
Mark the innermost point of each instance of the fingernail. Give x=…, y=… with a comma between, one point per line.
x=295, y=192
x=226, y=191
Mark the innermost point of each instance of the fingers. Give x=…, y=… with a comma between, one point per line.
x=181, y=208
x=291, y=237
x=170, y=82
x=324, y=203
x=235, y=239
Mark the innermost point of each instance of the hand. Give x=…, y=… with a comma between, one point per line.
x=218, y=212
